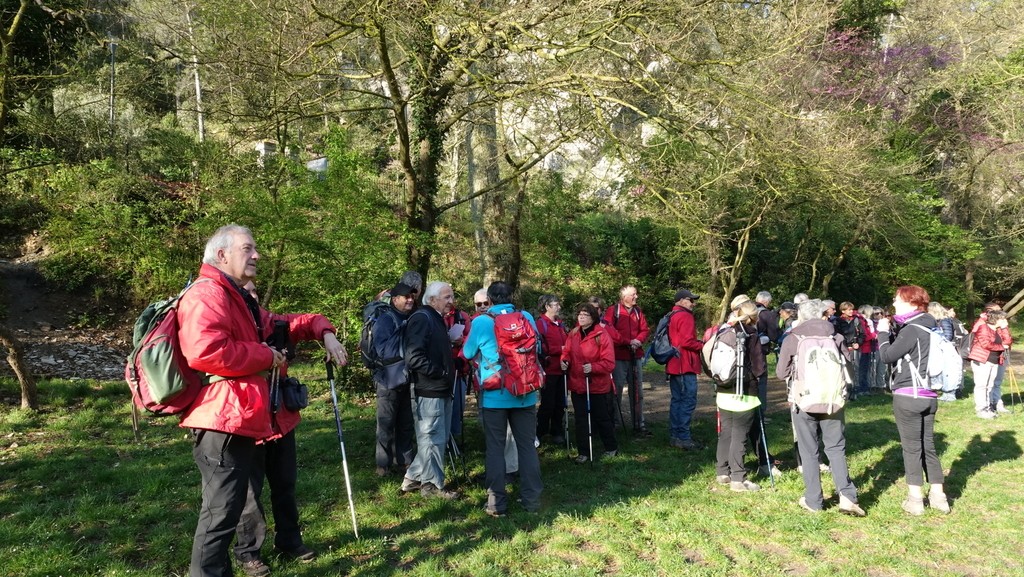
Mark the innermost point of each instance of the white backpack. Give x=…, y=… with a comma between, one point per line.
x=719, y=359
x=820, y=378
x=945, y=366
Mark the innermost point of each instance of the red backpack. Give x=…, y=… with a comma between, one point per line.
x=520, y=372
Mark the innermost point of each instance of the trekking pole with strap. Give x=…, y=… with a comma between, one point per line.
x=1014, y=388
x=341, y=442
x=590, y=434
x=740, y=366
x=636, y=407
x=565, y=411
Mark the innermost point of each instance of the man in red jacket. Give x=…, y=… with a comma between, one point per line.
x=682, y=371
x=629, y=335
x=220, y=336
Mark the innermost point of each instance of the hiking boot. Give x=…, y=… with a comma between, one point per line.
x=494, y=513
x=691, y=445
x=301, y=553
x=410, y=485
x=744, y=486
x=1001, y=408
x=676, y=443
x=582, y=459
x=938, y=501
x=803, y=503
x=255, y=568
x=947, y=397
x=765, y=472
x=986, y=414
x=914, y=506
x=608, y=454
x=848, y=507
x=432, y=490
x=723, y=479
x=643, y=432
x=382, y=471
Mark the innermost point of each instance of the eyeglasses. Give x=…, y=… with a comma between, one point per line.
x=483, y=304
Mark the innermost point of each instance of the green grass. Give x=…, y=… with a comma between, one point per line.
x=78, y=496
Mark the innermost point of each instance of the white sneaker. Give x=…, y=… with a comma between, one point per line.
x=986, y=414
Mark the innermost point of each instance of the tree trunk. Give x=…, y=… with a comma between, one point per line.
x=29, y=393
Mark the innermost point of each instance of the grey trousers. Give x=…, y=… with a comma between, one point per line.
x=830, y=430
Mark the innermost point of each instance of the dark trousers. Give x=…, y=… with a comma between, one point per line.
x=276, y=462
x=395, y=429
x=915, y=421
x=496, y=423
x=225, y=464
x=830, y=429
x=552, y=407
x=732, y=443
x=602, y=420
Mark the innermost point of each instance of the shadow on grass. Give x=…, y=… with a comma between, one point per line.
x=1003, y=446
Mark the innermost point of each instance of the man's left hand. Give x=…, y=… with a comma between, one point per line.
x=635, y=344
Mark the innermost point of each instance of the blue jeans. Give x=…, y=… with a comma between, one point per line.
x=866, y=371
x=432, y=419
x=684, y=402
x=996, y=395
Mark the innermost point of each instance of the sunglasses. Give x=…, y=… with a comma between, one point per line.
x=483, y=304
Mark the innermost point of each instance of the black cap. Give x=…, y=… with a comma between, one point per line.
x=401, y=290
x=787, y=306
x=685, y=294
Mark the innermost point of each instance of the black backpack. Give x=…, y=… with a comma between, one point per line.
x=661, y=349
x=371, y=314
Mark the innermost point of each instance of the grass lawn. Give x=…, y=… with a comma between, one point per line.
x=78, y=496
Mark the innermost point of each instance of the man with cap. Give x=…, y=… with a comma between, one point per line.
x=682, y=370
x=394, y=405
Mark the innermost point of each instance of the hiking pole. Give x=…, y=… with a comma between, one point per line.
x=590, y=434
x=636, y=409
x=764, y=447
x=1014, y=388
x=341, y=442
x=565, y=411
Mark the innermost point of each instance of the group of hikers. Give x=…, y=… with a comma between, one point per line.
x=426, y=356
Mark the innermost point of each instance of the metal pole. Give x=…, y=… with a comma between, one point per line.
x=341, y=441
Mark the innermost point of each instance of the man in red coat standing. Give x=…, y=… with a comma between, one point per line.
x=220, y=335
x=630, y=333
x=682, y=371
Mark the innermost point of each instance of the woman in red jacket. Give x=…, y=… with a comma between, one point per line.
x=552, y=332
x=991, y=339
x=589, y=359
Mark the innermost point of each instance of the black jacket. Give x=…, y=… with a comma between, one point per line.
x=428, y=354
x=906, y=340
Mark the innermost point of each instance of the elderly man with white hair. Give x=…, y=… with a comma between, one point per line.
x=428, y=360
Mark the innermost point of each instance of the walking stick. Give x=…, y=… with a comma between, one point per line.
x=1014, y=388
x=636, y=408
x=565, y=412
x=590, y=435
x=740, y=366
x=341, y=442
